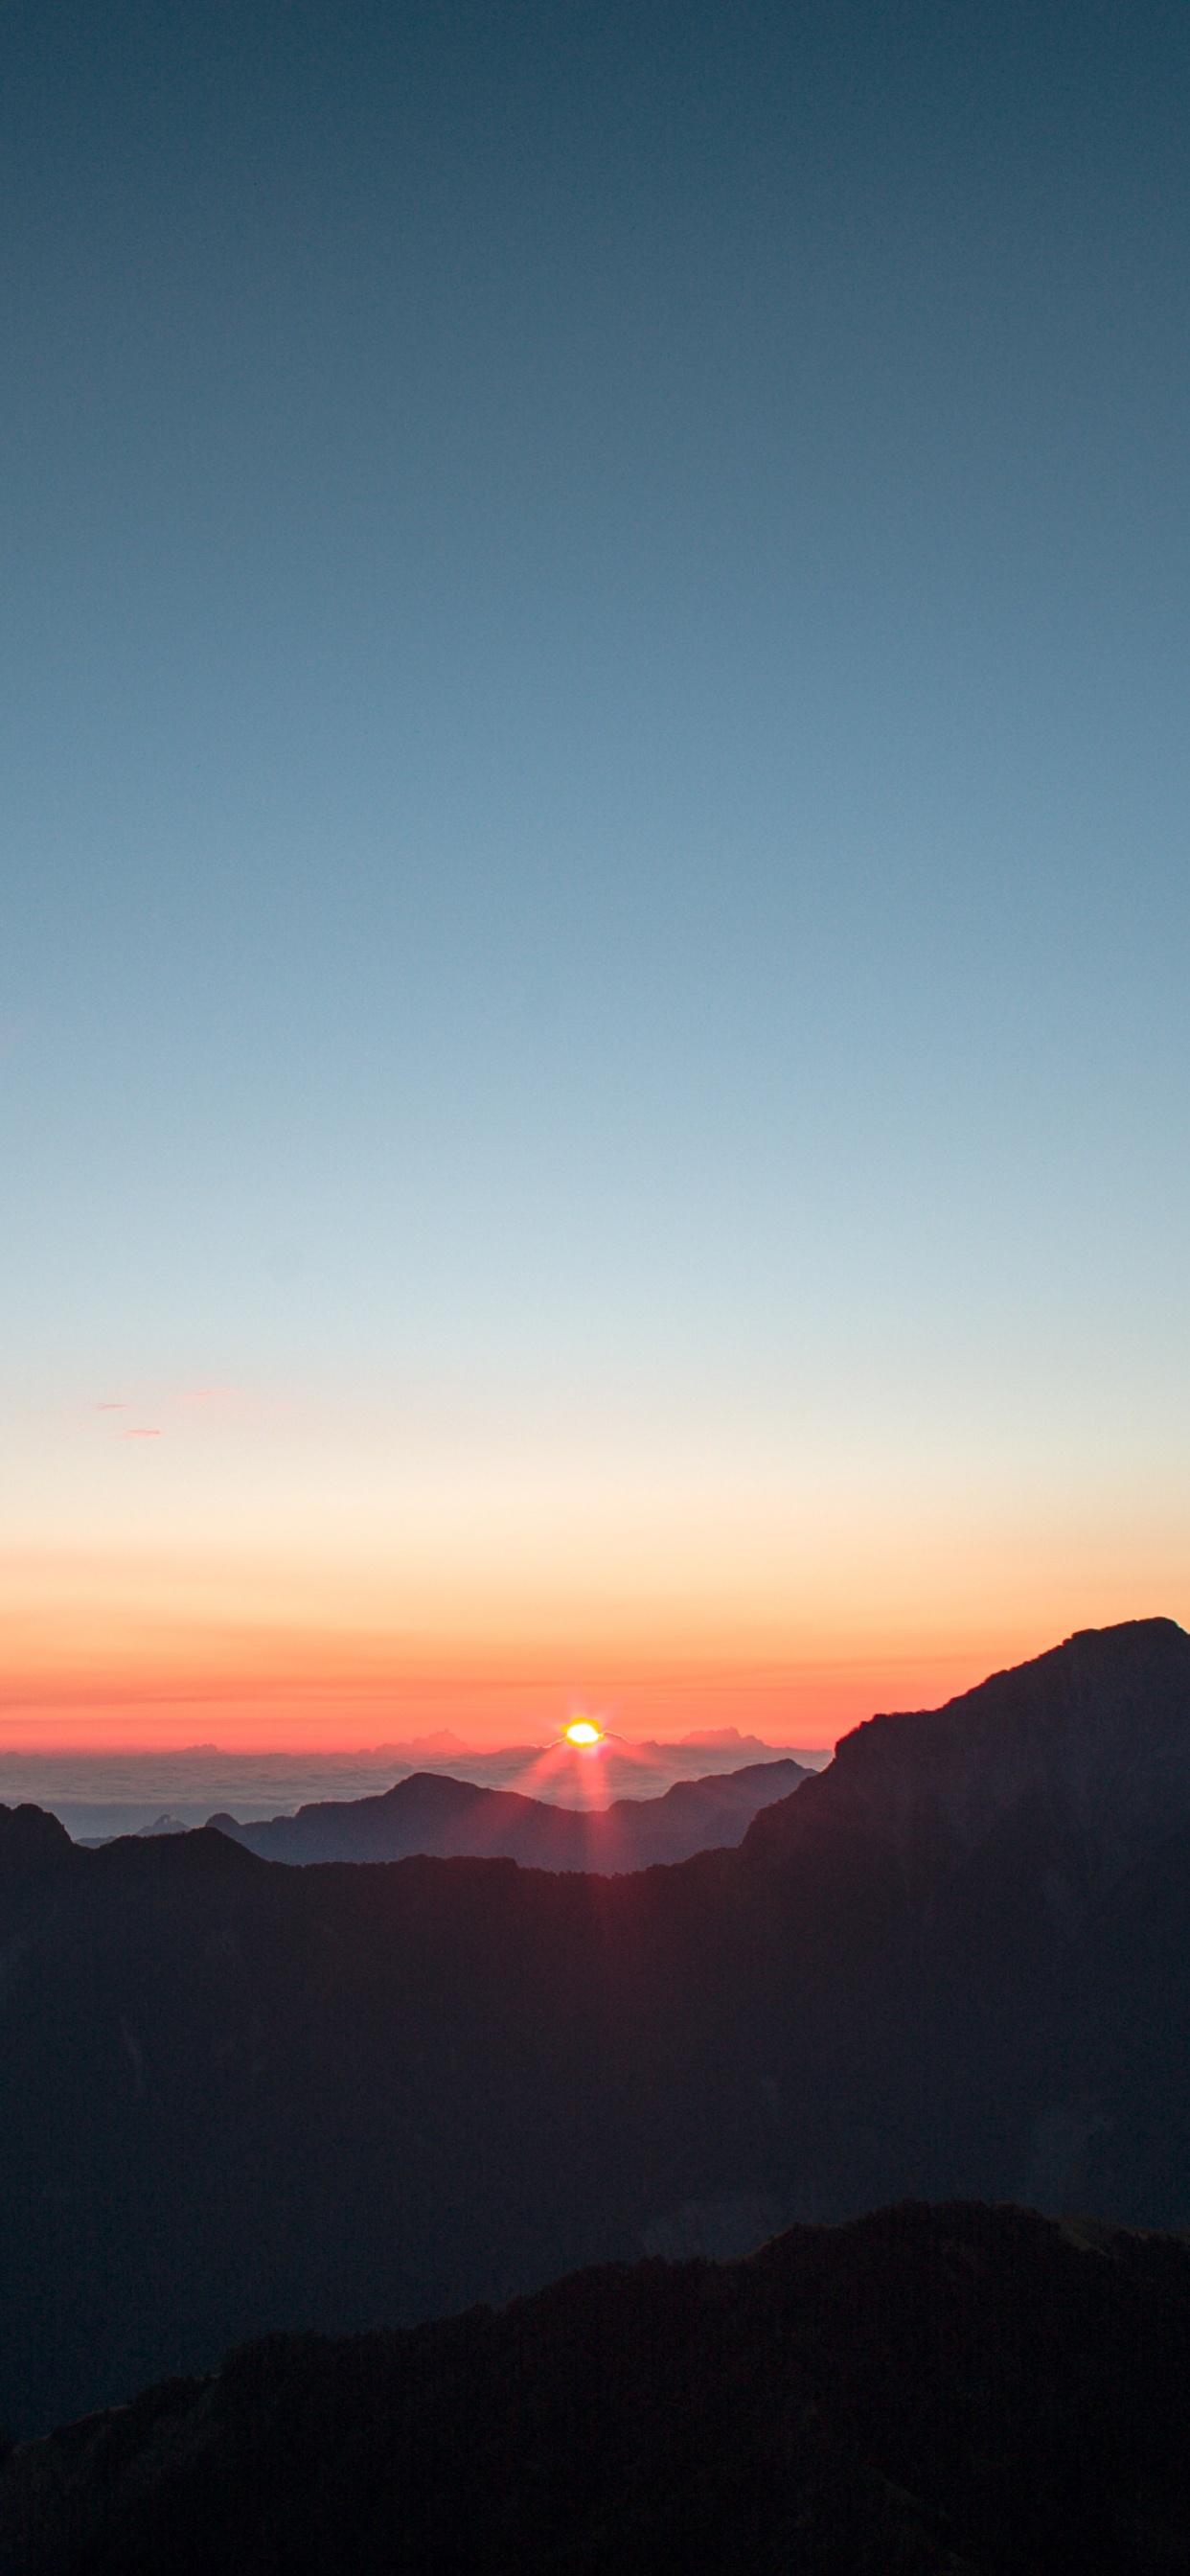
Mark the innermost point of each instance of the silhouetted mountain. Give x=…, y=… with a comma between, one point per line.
x=958, y=2391
x=422, y=1748
x=34, y=1848
x=722, y=1739
x=239, y=2097
x=456, y=1820
x=1094, y=1736
x=100, y=1795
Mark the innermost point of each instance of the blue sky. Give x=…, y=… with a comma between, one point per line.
x=594, y=823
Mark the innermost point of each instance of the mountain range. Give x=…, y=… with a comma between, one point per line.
x=241, y=2098
x=101, y=1795
x=455, y=1818
x=957, y=2391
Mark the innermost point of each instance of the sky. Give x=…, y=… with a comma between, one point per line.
x=594, y=1063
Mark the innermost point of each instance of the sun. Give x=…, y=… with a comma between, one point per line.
x=583, y=1732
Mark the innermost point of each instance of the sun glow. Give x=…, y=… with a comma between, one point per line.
x=583, y=1732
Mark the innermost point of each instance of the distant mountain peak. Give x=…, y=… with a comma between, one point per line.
x=428, y=1812
x=444, y=1745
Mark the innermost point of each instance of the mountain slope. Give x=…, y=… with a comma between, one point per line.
x=1095, y=1735
x=240, y=2097
x=955, y=2391
x=456, y=1820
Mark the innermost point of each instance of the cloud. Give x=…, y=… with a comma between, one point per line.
x=142, y=1432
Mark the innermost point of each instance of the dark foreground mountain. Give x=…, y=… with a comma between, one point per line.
x=456, y=1820
x=955, y=2391
x=239, y=2097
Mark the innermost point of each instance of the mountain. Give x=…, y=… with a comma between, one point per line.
x=953, y=2391
x=722, y=1739
x=98, y=1796
x=1093, y=1737
x=715, y=1748
x=423, y=1748
x=427, y=1813
x=241, y=2097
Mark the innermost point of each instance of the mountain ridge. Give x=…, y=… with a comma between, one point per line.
x=430, y=1813
x=930, y=2391
x=241, y=2097
x=1062, y=1727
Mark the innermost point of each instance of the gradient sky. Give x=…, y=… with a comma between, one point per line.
x=594, y=1051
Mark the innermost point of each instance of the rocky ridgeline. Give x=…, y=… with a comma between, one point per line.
x=1094, y=1736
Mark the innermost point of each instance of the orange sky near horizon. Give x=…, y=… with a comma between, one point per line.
x=112, y=1683
x=317, y=1572
x=329, y=1710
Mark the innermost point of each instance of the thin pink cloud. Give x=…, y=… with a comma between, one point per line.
x=142, y=1432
